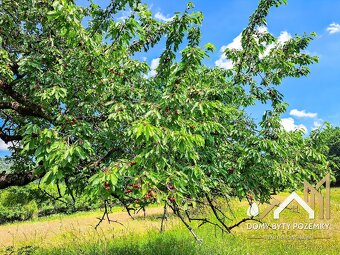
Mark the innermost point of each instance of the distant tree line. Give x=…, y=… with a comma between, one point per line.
x=331, y=136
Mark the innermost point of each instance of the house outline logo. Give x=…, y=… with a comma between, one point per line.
x=311, y=194
x=299, y=200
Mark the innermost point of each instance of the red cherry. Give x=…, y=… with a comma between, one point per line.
x=132, y=163
x=73, y=121
x=107, y=186
x=135, y=186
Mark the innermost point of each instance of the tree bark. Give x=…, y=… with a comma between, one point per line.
x=22, y=105
x=17, y=179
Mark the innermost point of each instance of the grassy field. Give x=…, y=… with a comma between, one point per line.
x=75, y=234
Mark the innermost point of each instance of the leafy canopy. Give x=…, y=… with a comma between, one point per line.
x=80, y=109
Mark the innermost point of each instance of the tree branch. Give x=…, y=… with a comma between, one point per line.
x=216, y=213
x=17, y=179
x=106, y=213
x=242, y=221
x=9, y=138
x=22, y=104
x=177, y=212
x=15, y=106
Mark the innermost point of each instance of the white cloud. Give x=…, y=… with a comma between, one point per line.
x=124, y=15
x=302, y=114
x=236, y=44
x=317, y=124
x=3, y=146
x=153, y=67
x=223, y=61
x=162, y=17
x=289, y=125
x=284, y=37
x=262, y=29
x=333, y=28
x=154, y=63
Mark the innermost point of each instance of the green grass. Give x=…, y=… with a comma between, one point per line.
x=180, y=242
x=143, y=237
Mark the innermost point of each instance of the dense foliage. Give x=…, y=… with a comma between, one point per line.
x=81, y=110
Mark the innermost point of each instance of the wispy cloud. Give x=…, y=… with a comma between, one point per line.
x=317, y=123
x=303, y=114
x=124, y=15
x=333, y=28
x=160, y=16
x=289, y=125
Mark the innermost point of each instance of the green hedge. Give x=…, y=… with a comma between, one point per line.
x=25, y=203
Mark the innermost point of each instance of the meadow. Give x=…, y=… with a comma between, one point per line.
x=75, y=234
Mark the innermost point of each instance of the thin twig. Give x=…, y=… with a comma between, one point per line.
x=106, y=213
x=164, y=217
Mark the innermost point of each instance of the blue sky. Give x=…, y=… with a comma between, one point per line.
x=312, y=100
